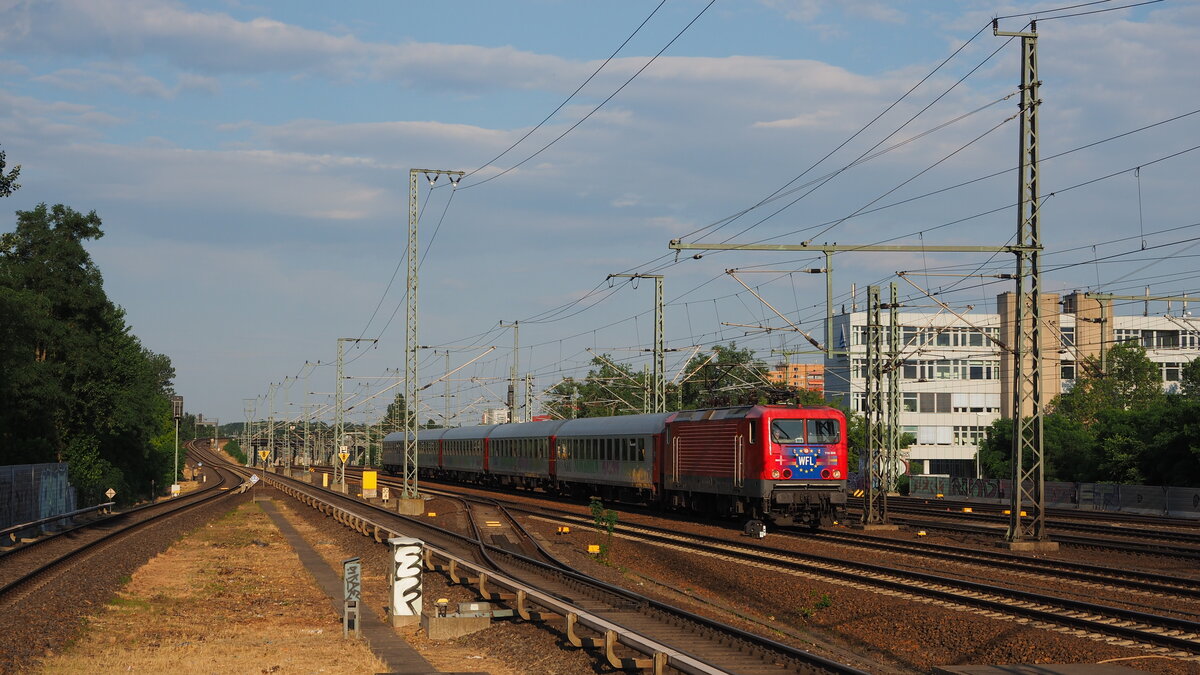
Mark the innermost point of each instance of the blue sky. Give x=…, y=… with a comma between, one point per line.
x=250, y=162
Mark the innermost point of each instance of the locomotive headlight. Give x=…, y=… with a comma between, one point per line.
x=775, y=473
x=837, y=473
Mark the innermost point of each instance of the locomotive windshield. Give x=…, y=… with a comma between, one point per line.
x=823, y=431
x=787, y=431
x=792, y=431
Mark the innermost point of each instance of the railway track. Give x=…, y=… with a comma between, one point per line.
x=25, y=569
x=687, y=642
x=1094, y=576
x=1124, y=530
x=1157, y=634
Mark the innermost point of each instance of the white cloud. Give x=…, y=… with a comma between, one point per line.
x=31, y=121
x=126, y=79
x=13, y=68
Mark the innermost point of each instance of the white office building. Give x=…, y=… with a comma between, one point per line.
x=955, y=380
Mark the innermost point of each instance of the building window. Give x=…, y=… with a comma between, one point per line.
x=1127, y=335
x=1067, y=370
x=955, y=468
x=1068, y=336
x=1170, y=371
x=969, y=435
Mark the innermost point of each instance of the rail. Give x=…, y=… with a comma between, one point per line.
x=657, y=655
x=11, y=532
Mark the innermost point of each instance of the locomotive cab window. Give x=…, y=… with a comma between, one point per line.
x=823, y=431
x=787, y=431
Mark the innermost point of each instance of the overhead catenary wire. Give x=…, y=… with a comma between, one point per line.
x=593, y=304
x=600, y=105
x=568, y=99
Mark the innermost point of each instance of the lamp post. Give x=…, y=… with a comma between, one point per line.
x=176, y=412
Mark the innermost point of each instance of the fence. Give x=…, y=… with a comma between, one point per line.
x=1176, y=502
x=30, y=492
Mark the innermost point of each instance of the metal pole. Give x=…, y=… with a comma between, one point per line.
x=528, y=416
x=875, y=491
x=271, y=428
x=893, y=392
x=658, y=384
x=177, y=413
x=829, y=350
x=660, y=349
x=411, y=343
x=512, y=373
x=1027, y=520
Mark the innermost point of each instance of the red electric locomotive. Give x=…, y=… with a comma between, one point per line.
x=781, y=464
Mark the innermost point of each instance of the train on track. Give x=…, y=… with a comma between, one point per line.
x=784, y=465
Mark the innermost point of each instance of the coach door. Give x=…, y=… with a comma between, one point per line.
x=739, y=460
x=674, y=459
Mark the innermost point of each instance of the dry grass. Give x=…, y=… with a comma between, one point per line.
x=231, y=598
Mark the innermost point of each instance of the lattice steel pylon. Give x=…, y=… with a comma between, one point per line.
x=876, y=489
x=658, y=400
x=1027, y=520
x=892, y=373
x=409, y=491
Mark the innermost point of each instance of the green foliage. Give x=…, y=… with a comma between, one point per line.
x=730, y=376
x=234, y=450
x=394, y=418
x=78, y=386
x=1068, y=450
x=1189, y=380
x=1114, y=427
x=8, y=182
x=606, y=522
x=856, y=435
x=608, y=389
x=1130, y=381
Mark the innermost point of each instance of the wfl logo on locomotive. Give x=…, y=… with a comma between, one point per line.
x=803, y=461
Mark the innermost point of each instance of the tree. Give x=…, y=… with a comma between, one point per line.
x=1132, y=381
x=395, y=415
x=1068, y=450
x=1189, y=380
x=731, y=376
x=78, y=386
x=609, y=389
x=8, y=183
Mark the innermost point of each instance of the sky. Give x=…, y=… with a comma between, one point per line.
x=250, y=163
